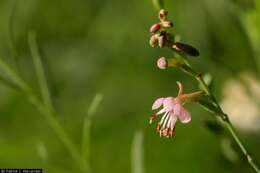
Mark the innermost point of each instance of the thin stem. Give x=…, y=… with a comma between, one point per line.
x=226, y=120
x=39, y=70
x=241, y=146
x=137, y=153
x=49, y=114
x=11, y=34
x=158, y=4
x=86, y=130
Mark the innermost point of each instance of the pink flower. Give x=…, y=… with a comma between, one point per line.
x=172, y=110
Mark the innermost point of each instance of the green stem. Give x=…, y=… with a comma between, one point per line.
x=158, y=4
x=39, y=70
x=225, y=118
x=49, y=114
x=11, y=34
x=241, y=146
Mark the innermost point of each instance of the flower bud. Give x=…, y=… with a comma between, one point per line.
x=162, y=39
x=162, y=14
x=162, y=63
x=167, y=24
x=155, y=27
x=154, y=40
x=181, y=47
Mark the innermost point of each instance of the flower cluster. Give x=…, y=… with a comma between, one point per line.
x=158, y=30
x=172, y=107
x=161, y=37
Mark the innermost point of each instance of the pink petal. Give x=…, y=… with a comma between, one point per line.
x=158, y=102
x=184, y=115
x=177, y=109
x=169, y=103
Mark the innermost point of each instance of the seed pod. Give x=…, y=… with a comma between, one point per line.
x=181, y=47
x=163, y=14
x=162, y=39
x=155, y=27
x=167, y=24
x=154, y=40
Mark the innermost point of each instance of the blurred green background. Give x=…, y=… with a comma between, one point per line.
x=93, y=46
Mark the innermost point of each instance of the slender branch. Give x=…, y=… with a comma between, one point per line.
x=39, y=70
x=49, y=114
x=158, y=4
x=241, y=146
x=86, y=130
x=225, y=118
x=137, y=153
x=11, y=34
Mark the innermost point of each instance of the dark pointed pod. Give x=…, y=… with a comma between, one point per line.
x=190, y=50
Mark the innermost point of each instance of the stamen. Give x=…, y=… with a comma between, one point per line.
x=153, y=117
x=158, y=127
x=162, y=120
x=170, y=121
x=165, y=121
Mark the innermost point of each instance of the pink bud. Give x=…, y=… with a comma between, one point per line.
x=154, y=40
x=162, y=63
x=162, y=14
x=167, y=24
x=155, y=27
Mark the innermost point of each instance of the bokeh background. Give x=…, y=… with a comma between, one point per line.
x=94, y=48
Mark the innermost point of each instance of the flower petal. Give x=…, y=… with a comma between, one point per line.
x=158, y=102
x=169, y=103
x=177, y=109
x=184, y=115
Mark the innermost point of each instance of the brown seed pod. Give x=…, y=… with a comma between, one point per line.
x=181, y=47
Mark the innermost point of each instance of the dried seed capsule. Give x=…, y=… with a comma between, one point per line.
x=163, y=14
x=162, y=39
x=155, y=27
x=154, y=40
x=167, y=24
x=186, y=49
